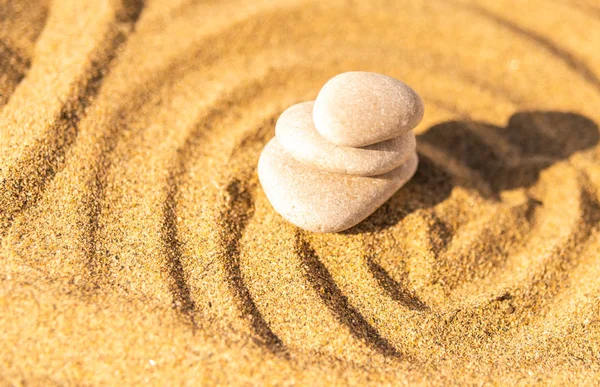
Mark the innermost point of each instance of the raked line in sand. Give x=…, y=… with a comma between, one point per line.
x=138, y=246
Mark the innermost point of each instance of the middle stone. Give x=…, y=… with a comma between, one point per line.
x=297, y=134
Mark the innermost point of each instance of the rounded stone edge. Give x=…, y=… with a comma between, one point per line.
x=343, y=226
x=406, y=140
x=322, y=119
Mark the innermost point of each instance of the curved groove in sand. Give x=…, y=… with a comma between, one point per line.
x=13, y=67
x=180, y=288
x=393, y=288
x=505, y=172
x=582, y=6
x=234, y=213
x=588, y=137
x=570, y=59
x=203, y=56
x=320, y=279
x=34, y=170
x=566, y=255
x=531, y=291
x=233, y=220
x=14, y=60
x=484, y=248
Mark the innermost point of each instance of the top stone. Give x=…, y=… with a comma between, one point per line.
x=360, y=108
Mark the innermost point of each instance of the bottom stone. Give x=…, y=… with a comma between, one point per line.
x=322, y=201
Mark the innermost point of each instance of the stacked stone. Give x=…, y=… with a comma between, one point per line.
x=335, y=160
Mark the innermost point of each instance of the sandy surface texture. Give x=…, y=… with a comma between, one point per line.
x=137, y=246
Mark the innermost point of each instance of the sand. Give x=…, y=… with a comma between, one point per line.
x=138, y=247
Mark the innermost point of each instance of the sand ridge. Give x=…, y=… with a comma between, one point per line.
x=138, y=247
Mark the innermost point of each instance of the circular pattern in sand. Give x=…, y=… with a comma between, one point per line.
x=138, y=247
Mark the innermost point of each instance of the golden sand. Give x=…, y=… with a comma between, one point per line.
x=138, y=247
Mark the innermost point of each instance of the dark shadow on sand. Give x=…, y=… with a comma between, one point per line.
x=533, y=141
